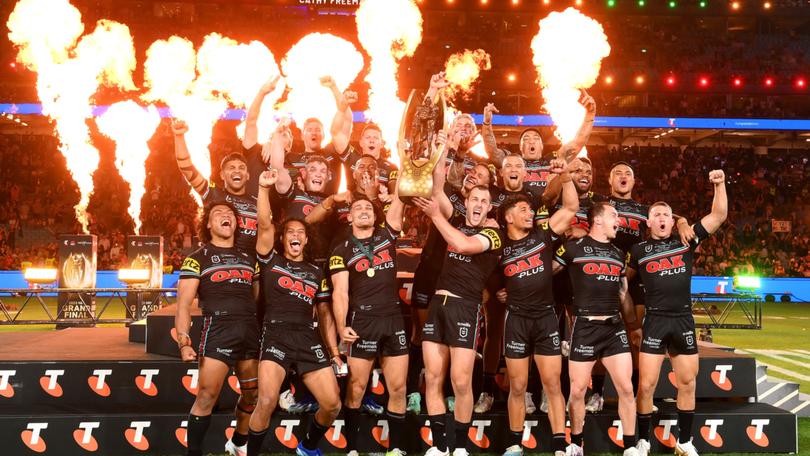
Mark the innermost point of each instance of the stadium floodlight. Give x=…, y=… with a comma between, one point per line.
x=750, y=283
x=40, y=276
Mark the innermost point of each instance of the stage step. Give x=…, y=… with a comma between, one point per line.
x=718, y=428
x=781, y=393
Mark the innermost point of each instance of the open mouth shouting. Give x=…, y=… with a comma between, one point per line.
x=226, y=223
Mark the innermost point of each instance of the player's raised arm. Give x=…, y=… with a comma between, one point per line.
x=251, y=120
x=198, y=182
x=458, y=241
x=561, y=220
x=495, y=155
x=265, y=237
x=277, y=152
x=569, y=150
x=342, y=122
x=719, y=204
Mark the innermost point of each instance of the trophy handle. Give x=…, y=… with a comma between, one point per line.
x=437, y=153
x=403, y=125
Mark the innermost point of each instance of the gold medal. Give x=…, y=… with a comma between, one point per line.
x=370, y=272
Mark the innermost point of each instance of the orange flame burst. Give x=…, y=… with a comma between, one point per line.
x=568, y=52
x=388, y=30
x=463, y=69
x=130, y=126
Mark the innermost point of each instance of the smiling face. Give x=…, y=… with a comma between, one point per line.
x=609, y=222
x=478, y=175
x=478, y=204
x=583, y=177
x=365, y=168
x=235, y=175
x=660, y=221
x=531, y=145
x=513, y=172
x=621, y=181
x=371, y=142
x=361, y=214
x=315, y=175
x=221, y=222
x=294, y=239
x=466, y=127
x=521, y=216
x=312, y=134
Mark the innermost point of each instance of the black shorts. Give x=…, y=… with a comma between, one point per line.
x=525, y=336
x=229, y=339
x=379, y=336
x=294, y=346
x=424, y=286
x=673, y=334
x=455, y=322
x=595, y=339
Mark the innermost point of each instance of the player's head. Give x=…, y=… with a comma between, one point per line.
x=603, y=218
x=234, y=171
x=479, y=174
x=365, y=168
x=583, y=175
x=218, y=221
x=517, y=212
x=513, y=173
x=478, y=205
x=621, y=179
x=362, y=214
x=312, y=133
x=315, y=174
x=371, y=141
x=531, y=144
x=660, y=220
x=294, y=235
x=465, y=125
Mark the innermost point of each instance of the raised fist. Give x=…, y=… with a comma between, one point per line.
x=587, y=101
x=438, y=81
x=488, y=110
x=717, y=176
x=327, y=81
x=558, y=166
x=268, y=178
x=270, y=85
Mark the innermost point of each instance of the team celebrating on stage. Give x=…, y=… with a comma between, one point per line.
x=297, y=282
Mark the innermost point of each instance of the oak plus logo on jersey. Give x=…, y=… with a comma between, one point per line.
x=720, y=376
x=477, y=433
x=50, y=382
x=663, y=432
x=616, y=434
x=710, y=433
x=98, y=382
x=667, y=266
x=285, y=435
x=528, y=439
x=191, y=380
x=377, y=386
x=756, y=432
x=532, y=264
x=628, y=222
x=146, y=381
x=334, y=435
x=601, y=269
x=181, y=433
x=135, y=435
x=381, y=258
x=84, y=435
x=247, y=223
x=426, y=434
x=32, y=436
x=297, y=286
x=223, y=275
x=6, y=388
x=380, y=433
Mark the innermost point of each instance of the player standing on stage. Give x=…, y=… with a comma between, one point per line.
x=531, y=325
x=664, y=264
x=294, y=290
x=221, y=275
x=596, y=268
x=364, y=278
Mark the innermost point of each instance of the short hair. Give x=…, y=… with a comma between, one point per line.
x=597, y=210
x=370, y=126
x=622, y=162
x=513, y=201
x=513, y=155
x=659, y=203
x=312, y=119
x=376, y=208
x=586, y=160
x=367, y=156
x=490, y=172
x=233, y=156
x=523, y=133
x=312, y=158
x=483, y=188
x=205, y=215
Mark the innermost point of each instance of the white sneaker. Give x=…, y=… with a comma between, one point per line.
x=685, y=449
x=353, y=453
x=544, y=403
x=234, y=450
x=559, y=453
x=514, y=450
x=530, y=407
x=595, y=403
x=484, y=403
x=632, y=451
x=461, y=452
x=574, y=450
x=286, y=400
x=643, y=447
x=433, y=451
x=395, y=452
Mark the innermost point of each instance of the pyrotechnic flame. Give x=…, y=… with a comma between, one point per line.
x=344, y=179
x=312, y=57
x=388, y=30
x=568, y=52
x=463, y=69
x=130, y=126
x=45, y=33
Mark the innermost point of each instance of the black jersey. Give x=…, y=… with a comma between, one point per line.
x=665, y=269
x=341, y=214
x=291, y=288
x=596, y=269
x=226, y=280
x=537, y=173
x=294, y=161
x=376, y=294
x=387, y=171
x=466, y=275
x=499, y=197
x=580, y=219
x=632, y=222
x=299, y=203
x=526, y=267
x=246, y=218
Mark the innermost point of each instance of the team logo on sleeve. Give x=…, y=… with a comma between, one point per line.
x=336, y=262
x=324, y=285
x=191, y=265
x=493, y=236
x=561, y=251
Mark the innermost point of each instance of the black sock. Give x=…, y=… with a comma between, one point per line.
x=597, y=383
x=415, y=369
x=197, y=427
x=239, y=439
x=315, y=432
x=514, y=438
x=576, y=439
x=489, y=384
x=396, y=426
x=629, y=441
x=352, y=417
x=462, y=430
x=685, y=418
x=437, y=428
x=558, y=442
x=643, y=422
x=255, y=442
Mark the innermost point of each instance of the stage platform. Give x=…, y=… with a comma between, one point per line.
x=90, y=389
